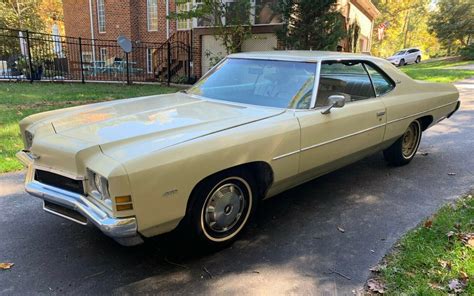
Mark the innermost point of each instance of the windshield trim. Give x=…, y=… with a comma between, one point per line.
x=313, y=93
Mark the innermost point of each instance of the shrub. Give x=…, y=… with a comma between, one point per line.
x=467, y=52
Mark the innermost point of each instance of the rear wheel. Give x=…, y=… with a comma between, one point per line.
x=220, y=208
x=418, y=59
x=404, y=149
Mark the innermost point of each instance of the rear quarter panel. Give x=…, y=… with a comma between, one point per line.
x=412, y=99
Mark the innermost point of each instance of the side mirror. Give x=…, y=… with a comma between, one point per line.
x=335, y=101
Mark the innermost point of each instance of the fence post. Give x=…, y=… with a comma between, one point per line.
x=188, y=64
x=80, y=59
x=169, y=63
x=29, y=54
x=128, y=69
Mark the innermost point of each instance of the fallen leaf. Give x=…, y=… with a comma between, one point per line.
x=424, y=153
x=451, y=174
x=428, y=223
x=463, y=276
x=450, y=234
x=378, y=268
x=435, y=286
x=341, y=229
x=445, y=264
x=5, y=266
x=376, y=286
x=468, y=239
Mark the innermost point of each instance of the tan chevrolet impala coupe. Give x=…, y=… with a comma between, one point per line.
x=201, y=160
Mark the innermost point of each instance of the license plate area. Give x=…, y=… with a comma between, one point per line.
x=64, y=212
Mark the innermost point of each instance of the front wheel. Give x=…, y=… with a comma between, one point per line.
x=401, y=63
x=404, y=149
x=221, y=207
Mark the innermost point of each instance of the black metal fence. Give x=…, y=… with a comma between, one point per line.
x=32, y=56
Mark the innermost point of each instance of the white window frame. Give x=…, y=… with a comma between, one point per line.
x=149, y=60
x=186, y=22
x=103, y=54
x=152, y=15
x=101, y=16
x=87, y=56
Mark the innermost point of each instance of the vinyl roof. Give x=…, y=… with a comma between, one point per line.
x=300, y=55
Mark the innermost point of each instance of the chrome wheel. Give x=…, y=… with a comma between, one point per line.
x=410, y=140
x=226, y=209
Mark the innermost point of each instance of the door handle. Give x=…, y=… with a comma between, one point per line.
x=381, y=113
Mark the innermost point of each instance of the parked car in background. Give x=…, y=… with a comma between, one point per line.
x=405, y=56
x=201, y=160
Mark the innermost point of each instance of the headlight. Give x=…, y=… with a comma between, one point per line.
x=28, y=139
x=99, y=187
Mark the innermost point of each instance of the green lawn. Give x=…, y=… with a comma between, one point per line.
x=18, y=100
x=436, y=254
x=437, y=71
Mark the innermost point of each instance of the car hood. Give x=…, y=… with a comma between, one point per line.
x=155, y=122
x=394, y=57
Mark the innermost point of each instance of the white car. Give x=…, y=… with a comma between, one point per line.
x=405, y=56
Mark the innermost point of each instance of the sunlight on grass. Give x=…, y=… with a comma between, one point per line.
x=438, y=71
x=433, y=255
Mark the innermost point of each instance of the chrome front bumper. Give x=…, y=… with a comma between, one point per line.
x=123, y=230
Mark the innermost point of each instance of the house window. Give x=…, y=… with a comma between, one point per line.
x=205, y=20
x=103, y=54
x=86, y=57
x=101, y=15
x=183, y=24
x=152, y=15
x=150, y=52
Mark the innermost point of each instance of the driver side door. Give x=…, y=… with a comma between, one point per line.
x=344, y=135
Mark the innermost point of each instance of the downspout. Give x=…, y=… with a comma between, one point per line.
x=167, y=19
x=92, y=31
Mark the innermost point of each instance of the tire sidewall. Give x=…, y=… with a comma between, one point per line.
x=204, y=191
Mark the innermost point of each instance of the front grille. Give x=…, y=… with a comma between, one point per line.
x=59, y=181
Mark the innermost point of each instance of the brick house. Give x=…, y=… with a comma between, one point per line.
x=144, y=21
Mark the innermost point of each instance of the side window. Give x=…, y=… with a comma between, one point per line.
x=382, y=83
x=347, y=78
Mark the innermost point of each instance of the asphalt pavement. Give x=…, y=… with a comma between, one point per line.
x=296, y=245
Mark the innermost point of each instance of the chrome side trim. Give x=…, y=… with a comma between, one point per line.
x=327, y=142
x=286, y=154
x=419, y=113
x=314, y=95
x=341, y=138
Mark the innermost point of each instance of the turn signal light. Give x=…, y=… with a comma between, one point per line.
x=123, y=199
x=124, y=207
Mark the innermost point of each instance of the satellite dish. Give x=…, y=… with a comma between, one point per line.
x=124, y=43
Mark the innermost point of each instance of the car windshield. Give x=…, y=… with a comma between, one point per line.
x=282, y=84
x=401, y=52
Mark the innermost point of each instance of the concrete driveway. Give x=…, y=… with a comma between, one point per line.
x=295, y=246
